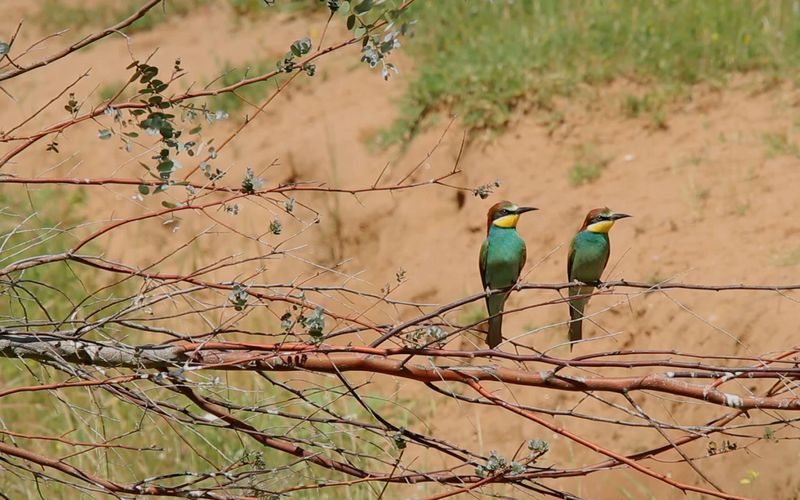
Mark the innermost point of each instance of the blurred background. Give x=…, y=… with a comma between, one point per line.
x=683, y=113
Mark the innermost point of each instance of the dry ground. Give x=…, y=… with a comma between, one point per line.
x=715, y=198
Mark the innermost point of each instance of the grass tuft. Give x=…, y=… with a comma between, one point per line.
x=588, y=167
x=780, y=144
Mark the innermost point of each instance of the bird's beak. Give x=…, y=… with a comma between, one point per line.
x=522, y=210
x=617, y=216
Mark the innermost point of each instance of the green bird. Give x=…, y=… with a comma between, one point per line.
x=588, y=256
x=501, y=260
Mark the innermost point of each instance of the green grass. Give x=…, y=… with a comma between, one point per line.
x=58, y=14
x=43, y=234
x=108, y=90
x=471, y=315
x=94, y=415
x=652, y=104
x=787, y=258
x=588, y=167
x=584, y=173
x=780, y=144
x=656, y=278
x=483, y=60
x=256, y=8
x=253, y=93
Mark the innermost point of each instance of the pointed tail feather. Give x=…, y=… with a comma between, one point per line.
x=495, y=335
x=576, y=308
x=494, y=306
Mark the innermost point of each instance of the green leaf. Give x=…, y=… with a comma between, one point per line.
x=359, y=31
x=144, y=189
x=4, y=48
x=275, y=227
x=104, y=134
x=167, y=204
x=363, y=7
x=148, y=72
x=166, y=166
x=286, y=321
x=301, y=47
x=351, y=21
x=315, y=323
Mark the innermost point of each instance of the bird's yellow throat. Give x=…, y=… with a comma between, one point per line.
x=507, y=221
x=601, y=227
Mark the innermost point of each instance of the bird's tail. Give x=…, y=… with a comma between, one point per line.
x=494, y=305
x=576, y=308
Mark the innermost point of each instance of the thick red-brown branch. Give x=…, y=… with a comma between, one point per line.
x=301, y=357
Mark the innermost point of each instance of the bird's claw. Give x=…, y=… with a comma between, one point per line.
x=597, y=284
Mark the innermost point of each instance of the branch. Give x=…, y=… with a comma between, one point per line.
x=304, y=357
x=592, y=446
x=60, y=127
x=83, y=43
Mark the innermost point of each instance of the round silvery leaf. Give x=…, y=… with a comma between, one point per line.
x=4, y=48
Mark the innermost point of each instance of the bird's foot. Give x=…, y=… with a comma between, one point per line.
x=596, y=284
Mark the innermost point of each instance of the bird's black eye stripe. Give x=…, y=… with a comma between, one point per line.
x=600, y=218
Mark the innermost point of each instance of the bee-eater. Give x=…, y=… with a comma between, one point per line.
x=588, y=256
x=501, y=260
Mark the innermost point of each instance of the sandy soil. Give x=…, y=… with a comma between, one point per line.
x=712, y=203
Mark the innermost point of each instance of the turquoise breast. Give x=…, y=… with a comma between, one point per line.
x=591, y=254
x=504, y=256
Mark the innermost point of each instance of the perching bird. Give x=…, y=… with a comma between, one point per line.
x=588, y=256
x=501, y=260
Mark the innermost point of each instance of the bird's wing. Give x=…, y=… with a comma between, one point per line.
x=570, y=258
x=522, y=257
x=482, y=261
